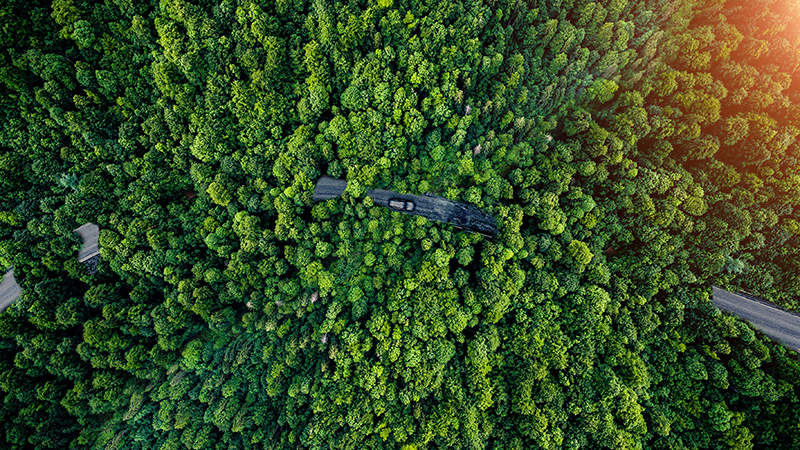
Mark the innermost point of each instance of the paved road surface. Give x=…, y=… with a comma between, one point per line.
x=9, y=290
x=89, y=232
x=774, y=322
x=328, y=188
x=432, y=207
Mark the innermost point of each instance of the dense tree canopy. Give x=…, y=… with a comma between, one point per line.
x=633, y=151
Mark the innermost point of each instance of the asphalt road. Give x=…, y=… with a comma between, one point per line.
x=9, y=290
x=776, y=323
x=432, y=207
x=328, y=188
x=89, y=232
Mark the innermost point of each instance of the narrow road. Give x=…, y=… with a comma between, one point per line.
x=10, y=289
x=432, y=207
x=776, y=323
x=328, y=188
x=89, y=232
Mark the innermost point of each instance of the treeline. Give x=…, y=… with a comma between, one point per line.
x=632, y=151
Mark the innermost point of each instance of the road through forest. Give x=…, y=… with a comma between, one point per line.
x=432, y=207
x=89, y=232
x=9, y=290
x=774, y=322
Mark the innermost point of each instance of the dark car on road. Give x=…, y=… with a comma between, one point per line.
x=401, y=205
x=461, y=215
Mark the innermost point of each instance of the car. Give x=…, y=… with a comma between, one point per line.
x=401, y=205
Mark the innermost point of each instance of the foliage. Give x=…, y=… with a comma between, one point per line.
x=633, y=152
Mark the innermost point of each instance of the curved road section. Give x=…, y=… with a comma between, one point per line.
x=776, y=323
x=89, y=253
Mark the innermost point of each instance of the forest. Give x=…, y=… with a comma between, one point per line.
x=633, y=152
